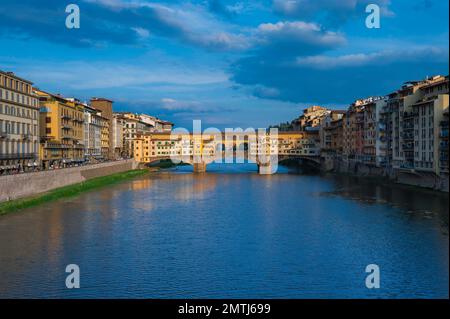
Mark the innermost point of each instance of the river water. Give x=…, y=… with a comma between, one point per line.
x=231, y=233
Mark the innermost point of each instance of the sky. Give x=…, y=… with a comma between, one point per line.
x=228, y=63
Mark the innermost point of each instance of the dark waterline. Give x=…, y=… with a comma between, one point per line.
x=231, y=233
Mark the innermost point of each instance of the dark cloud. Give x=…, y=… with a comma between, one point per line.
x=338, y=79
x=294, y=39
x=45, y=19
x=108, y=21
x=218, y=7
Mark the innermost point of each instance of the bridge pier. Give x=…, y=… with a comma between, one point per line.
x=266, y=169
x=199, y=167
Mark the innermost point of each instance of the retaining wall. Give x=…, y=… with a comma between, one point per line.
x=29, y=184
x=431, y=181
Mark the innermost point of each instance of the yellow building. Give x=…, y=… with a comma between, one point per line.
x=105, y=133
x=61, y=130
x=19, y=122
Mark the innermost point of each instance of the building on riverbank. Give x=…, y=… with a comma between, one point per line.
x=61, y=130
x=132, y=126
x=443, y=145
x=403, y=135
x=92, y=134
x=310, y=118
x=19, y=124
x=135, y=125
x=428, y=113
x=118, y=138
x=105, y=106
x=331, y=133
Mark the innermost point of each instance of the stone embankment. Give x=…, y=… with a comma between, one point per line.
x=30, y=184
x=419, y=179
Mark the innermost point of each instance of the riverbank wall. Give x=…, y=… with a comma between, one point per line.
x=30, y=184
x=412, y=178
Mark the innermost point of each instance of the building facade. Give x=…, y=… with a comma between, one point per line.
x=443, y=146
x=310, y=118
x=428, y=115
x=415, y=113
x=331, y=134
x=61, y=131
x=118, y=137
x=105, y=106
x=133, y=125
x=92, y=134
x=19, y=124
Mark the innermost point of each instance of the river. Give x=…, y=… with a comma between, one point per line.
x=231, y=233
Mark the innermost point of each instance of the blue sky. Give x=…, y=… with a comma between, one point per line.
x=229, y=63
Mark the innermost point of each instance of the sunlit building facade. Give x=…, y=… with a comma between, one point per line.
x=19, y=124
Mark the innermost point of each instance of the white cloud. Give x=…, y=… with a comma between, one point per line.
x=299, y=31
x=335, y=11
x=376, y=58
x=80, y=75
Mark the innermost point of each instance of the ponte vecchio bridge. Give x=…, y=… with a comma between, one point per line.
x=266, y=149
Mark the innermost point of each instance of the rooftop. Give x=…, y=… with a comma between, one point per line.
x=11, y=74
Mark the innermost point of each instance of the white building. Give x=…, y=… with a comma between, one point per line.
x=92, y=133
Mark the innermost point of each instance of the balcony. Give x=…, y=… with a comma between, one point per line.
x=15, y=156
x=26, y=137
x=409, y=115
x=408, y=126
x=407, y=165
x=50, y=145
x=3, y=134
x=66, y=117
x=408, y=136
x=78, y=120
x=408, y=146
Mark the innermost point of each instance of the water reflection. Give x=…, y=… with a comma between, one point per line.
x=231, y=233
x=413, y=202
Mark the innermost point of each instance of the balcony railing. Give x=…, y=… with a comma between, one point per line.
x=410, y=114
x=3, y=134
x=26, y=136
x=408, y=146
x=408, y=136
x=407, y=165
x=14, y=156
x=408, y=126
